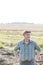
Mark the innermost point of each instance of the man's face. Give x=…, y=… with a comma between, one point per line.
x=27, y=36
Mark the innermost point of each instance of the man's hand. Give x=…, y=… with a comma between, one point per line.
x=18, y=60
x=36, y=58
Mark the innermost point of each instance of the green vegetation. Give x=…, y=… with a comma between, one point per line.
x=10, y=38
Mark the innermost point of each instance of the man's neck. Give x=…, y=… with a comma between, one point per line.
x=27, y=41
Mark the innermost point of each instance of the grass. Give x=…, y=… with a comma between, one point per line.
x=11, y=38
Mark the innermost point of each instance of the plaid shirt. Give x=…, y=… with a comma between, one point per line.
x=27, y=51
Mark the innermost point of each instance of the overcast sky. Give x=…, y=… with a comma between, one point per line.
x=21, y=11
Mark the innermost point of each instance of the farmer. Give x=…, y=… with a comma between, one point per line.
x=27, y=49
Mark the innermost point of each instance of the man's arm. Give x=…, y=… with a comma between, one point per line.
x=37, y=57
x=16, y=48
x=37, y=47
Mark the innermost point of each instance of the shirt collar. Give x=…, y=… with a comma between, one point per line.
x=28, y=43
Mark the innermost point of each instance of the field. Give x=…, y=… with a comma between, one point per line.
x=32, y=27
x=10, y=34
x=10, y=38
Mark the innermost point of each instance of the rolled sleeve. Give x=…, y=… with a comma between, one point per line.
x=17, y=47
x=37, y=47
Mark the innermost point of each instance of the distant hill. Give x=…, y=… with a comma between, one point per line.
x=21, y=26
x=20, y=23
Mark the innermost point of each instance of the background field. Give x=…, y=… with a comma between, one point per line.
x=10, y=34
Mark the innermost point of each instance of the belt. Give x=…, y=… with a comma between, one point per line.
x=27, y=61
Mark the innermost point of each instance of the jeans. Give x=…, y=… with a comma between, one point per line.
x=27, y=63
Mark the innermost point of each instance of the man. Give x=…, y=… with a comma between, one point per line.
x=27, y=49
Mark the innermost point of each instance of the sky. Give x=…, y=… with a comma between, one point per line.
x=21, y=11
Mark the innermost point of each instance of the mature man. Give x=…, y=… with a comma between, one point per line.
x=27, y=49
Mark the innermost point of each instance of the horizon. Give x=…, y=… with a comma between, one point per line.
x=19, y=23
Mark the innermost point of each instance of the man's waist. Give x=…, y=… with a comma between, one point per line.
x=28, y=60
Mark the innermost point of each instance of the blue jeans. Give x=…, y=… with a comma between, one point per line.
x=28, y=63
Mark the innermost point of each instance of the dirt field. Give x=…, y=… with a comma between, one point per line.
x=32, y=27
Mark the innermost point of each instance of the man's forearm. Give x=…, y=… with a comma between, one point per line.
x=16, y=54
x=37, y=57
x=17, y=57
x=38, y=53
